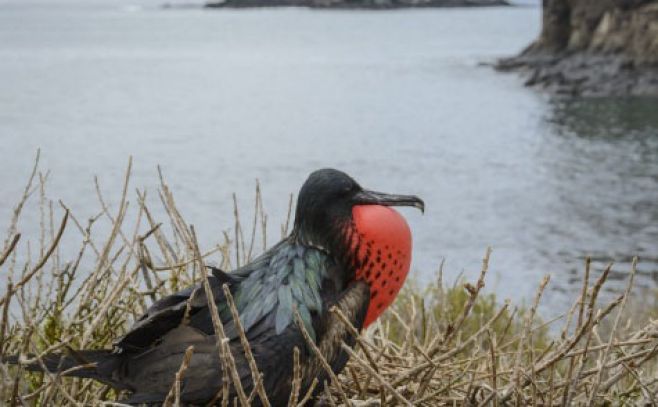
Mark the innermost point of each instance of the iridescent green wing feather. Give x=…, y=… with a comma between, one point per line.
x=289, y=277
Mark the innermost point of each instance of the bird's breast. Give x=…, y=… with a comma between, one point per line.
x=382, y=240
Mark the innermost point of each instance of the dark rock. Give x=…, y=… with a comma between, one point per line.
x=364, y=4
x=593, y=48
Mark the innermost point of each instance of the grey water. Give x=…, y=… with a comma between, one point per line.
x=398, y=99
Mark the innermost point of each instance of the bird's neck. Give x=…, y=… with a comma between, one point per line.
x=336, y=240
x=373, y=245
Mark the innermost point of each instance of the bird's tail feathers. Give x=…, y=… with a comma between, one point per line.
x=93, y=364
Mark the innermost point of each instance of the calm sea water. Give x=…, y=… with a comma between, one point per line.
x=398, y=99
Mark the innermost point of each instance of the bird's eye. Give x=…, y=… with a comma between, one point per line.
x=348, y=188
x=342, y=191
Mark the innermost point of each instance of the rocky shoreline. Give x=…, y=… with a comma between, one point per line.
x=585, y=74
x=354, y=4
x=587, y=48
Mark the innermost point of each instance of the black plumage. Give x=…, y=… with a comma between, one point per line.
x=311, y=270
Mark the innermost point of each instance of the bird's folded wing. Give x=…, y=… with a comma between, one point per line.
x=266, y=291
x=167, y=314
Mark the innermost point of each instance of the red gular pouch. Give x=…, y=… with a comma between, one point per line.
x=383, y=252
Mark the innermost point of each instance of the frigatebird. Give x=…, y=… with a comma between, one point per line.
x=347, y=249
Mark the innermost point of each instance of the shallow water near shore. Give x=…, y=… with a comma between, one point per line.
x=397, y=98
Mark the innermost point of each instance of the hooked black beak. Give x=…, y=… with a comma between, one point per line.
x=366, y=197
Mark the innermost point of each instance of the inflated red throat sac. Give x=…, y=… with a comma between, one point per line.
x=383, y=253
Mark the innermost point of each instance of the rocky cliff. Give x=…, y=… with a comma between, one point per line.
x=594, y=47
x=371, y=4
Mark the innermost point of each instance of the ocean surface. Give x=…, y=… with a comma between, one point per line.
x=399, y=99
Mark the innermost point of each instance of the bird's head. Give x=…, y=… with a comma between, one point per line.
x=358, y=227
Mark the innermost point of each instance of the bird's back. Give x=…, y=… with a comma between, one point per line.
x=267, y=291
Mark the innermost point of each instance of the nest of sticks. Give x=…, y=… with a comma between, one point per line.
x=438, y=346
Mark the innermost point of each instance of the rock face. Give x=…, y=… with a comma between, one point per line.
x=370, y=4
x=594, y=48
